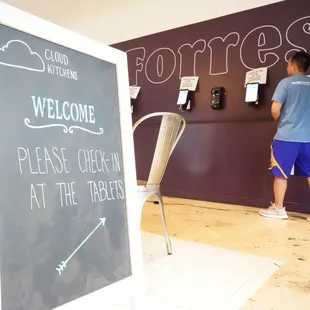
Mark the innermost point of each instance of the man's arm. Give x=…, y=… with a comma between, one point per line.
x=276, y=110
x=279, y=98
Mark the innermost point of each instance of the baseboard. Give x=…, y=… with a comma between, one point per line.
x=229, y=199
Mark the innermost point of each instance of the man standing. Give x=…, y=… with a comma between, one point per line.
x=291, y=145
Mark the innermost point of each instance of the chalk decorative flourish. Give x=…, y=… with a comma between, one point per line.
x=65, y=128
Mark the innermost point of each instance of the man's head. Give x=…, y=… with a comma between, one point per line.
x=298, y=64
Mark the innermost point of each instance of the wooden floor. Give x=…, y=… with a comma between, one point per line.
x=242, y=229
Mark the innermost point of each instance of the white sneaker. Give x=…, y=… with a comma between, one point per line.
x=273, y=212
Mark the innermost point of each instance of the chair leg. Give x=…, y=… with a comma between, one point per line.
x=163, y=219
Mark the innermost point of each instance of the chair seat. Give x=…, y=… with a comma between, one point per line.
x=140, y=182
x=144, y=187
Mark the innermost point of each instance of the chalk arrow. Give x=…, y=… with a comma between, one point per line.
x=61, y=267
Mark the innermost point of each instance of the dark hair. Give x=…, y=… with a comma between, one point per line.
x=301, y=60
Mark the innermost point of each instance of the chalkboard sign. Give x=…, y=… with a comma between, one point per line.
x=63, y=187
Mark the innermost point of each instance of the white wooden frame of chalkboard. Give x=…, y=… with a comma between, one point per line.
x=131, y=287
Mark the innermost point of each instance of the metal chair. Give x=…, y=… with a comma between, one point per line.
x=171, y=129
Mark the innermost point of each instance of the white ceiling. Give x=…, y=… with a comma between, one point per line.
x=66, y=12
x=112, y=21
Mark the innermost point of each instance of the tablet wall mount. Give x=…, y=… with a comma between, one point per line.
x=254, y=81
x=186, y=92
x=252, y=93
x=134, y=92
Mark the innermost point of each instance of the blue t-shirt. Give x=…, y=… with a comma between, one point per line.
x=294, y=94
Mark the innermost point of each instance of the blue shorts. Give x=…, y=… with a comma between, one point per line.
x=286, y=155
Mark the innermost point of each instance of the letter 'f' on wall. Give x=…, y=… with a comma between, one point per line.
x=135, y=57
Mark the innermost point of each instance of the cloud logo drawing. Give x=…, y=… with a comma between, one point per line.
x=18, y=54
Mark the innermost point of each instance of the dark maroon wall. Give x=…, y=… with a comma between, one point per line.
x=223, y=155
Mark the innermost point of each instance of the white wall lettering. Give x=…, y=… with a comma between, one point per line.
x=188, y=55
x=136, y=57
x=303, y=24
x=258, y=48
x=160, y=65
x=267, y=38
x=219, y=51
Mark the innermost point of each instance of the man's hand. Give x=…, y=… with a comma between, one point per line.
x=276, y=110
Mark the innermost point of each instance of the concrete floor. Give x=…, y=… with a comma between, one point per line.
x=242, y=229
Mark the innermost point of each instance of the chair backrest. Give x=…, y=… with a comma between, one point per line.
x=171, y=129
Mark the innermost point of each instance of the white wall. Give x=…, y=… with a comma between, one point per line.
x=136, y=18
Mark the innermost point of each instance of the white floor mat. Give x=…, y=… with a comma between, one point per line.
x=199, y=277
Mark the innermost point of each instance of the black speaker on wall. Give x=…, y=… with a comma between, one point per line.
x=217, y=98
